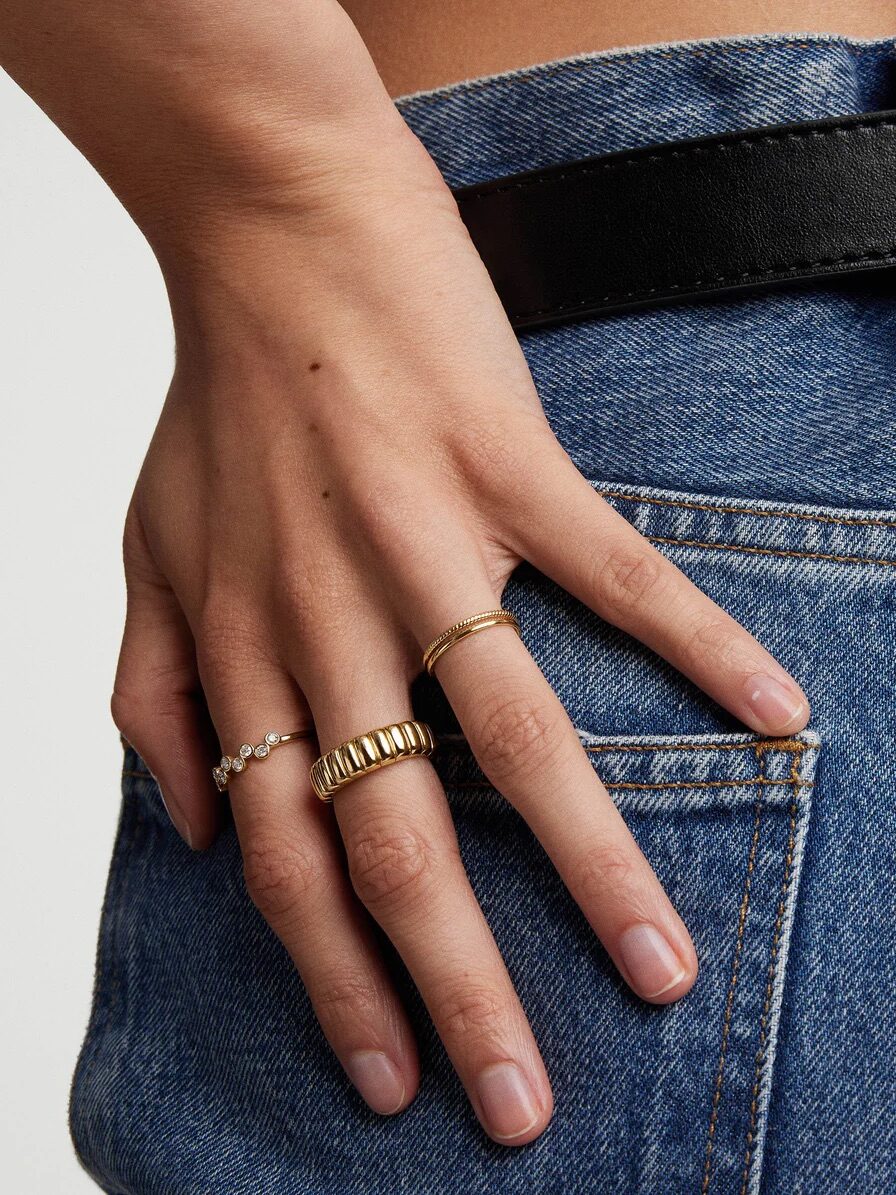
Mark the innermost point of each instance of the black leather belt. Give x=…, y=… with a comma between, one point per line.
x=687, y=219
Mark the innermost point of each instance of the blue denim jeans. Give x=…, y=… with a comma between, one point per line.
x=754, y=441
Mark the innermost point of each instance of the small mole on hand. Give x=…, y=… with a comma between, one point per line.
x=314, y=365
x=312, y=427
x=325, y=494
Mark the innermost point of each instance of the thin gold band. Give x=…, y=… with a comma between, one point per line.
x=239, y=762
x=467, y=626
x=368, y=752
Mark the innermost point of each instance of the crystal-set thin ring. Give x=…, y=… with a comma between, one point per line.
x=467, y=626
x=231, y=764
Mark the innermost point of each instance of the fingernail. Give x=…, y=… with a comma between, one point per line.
x=508, y=1104
x=178, y=820
x=774, y=704
x=378, y=1080
x=651, y=962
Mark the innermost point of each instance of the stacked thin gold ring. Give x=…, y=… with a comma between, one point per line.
x=460, y=630
x=377, y=748
x=369, y=752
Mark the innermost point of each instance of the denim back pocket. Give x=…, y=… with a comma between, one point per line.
x=654, y=1099
x=204, y=1070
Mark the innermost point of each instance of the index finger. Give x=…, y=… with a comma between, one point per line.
x=623, y=578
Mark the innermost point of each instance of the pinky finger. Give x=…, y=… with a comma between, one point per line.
x=157, y=702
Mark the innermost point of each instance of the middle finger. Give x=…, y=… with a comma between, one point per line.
x=406, y=867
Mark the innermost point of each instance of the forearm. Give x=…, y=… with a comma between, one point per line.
x=193, y=110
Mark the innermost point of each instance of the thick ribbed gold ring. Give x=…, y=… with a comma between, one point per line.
x=239, y=762
x=467, y=626
x=368, y=752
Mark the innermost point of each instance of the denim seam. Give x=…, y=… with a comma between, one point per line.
x=732, y=985
x=628, y=784
x=110, y=949
x=710, y=744
x=633, y=784
x=746, y=510
x=782, y=745
x=695, y=543
x=761, y=1053
x=574, y=65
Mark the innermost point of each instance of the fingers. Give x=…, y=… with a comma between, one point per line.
x=296, y=875
x=157, y=702
x=406, y=868
x=604, y=562
x=525, y=743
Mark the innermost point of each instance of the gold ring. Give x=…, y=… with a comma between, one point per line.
x=467, y=626
x=368, y=752
x=239, y=762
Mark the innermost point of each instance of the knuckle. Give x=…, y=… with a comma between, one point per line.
x=387, y=512
x=126, y=714
x=389, y=864
x=279, y=875
x=349, y=997
x=629, y=577
x=718, y=640
x=516, y=733
x=606, y=873
x=227, y=631
x=475, y=1011
x=306, y=584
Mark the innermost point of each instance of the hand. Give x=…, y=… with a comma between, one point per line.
x=352, y=456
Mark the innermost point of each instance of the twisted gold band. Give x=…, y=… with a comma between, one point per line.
x=368, y=752
x=467, y=626
x=239, y=762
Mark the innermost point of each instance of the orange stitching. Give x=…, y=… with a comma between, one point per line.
x=632, y=784
x=773, y=965
x=738, y=510
x=782, y=745
x=729, y=1000
x=693, y=543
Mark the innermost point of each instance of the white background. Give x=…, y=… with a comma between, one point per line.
x=86, y=353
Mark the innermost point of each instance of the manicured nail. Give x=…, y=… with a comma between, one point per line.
x=178, y=820
x=378, y=1080
x=508, y=1104
x=775, y=705
x=650, y=961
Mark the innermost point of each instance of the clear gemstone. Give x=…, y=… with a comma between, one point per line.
x=238, y=764
x=246, y=750
x=272, y=738
x=220, y=777
x=225, y=763
x=262, y=750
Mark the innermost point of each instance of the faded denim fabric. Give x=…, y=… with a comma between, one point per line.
x=754, y=441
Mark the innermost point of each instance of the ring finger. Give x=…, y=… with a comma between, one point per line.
x=295, y=873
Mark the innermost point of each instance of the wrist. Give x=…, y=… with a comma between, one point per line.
x=334, y=227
